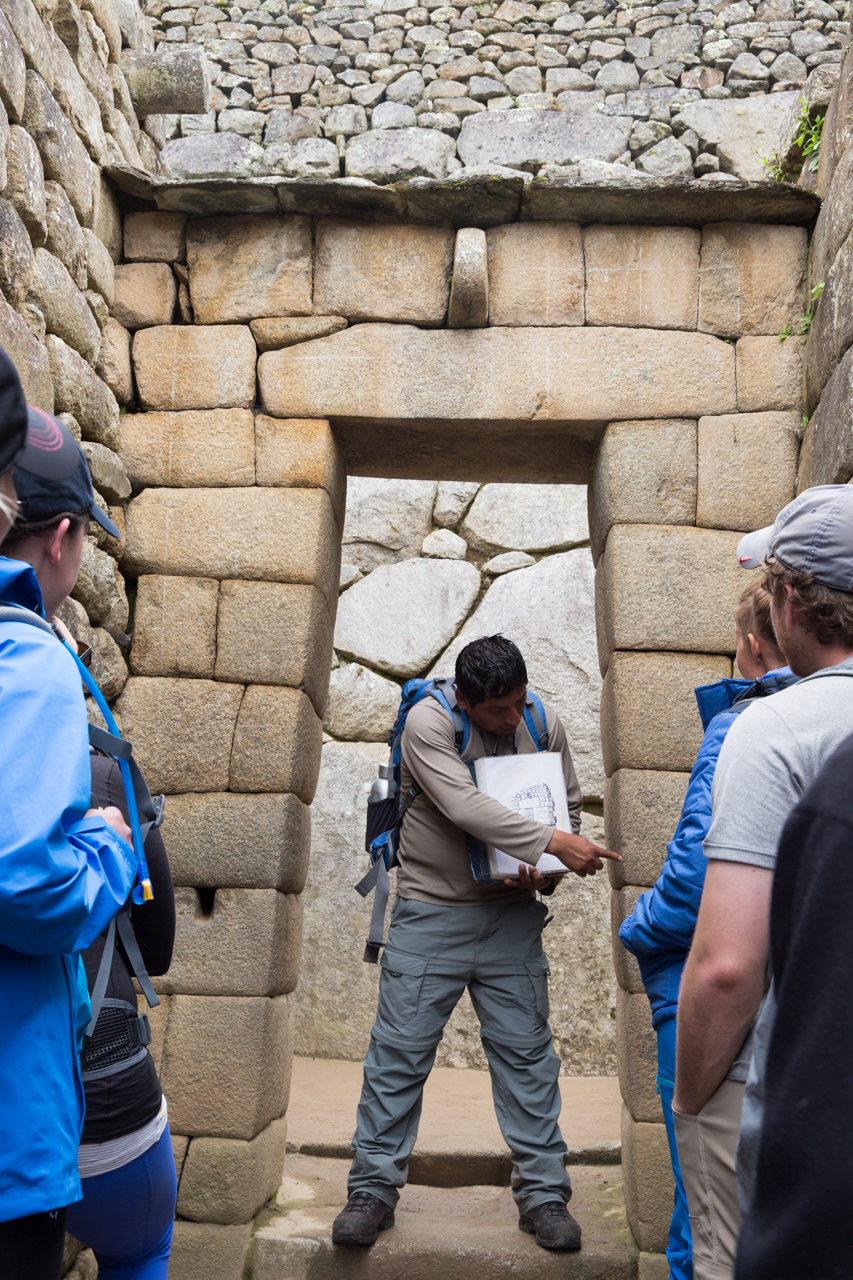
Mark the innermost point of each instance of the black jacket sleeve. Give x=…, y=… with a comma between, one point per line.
x=153, y=922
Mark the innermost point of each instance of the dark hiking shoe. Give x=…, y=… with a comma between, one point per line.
x=361, y=1219
x=552, y=1225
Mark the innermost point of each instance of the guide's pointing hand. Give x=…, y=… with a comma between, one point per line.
x=579, y=854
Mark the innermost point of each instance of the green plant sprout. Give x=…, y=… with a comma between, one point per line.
x=772, y=166
x=804, y=323
x=808, y=137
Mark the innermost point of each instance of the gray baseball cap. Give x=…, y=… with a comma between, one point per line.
x=813, y=534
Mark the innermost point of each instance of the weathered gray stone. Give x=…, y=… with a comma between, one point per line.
x=226, y=1064
x=306, y=158
x=618, y=77
x=99, y=587
x=145, y=294
x=77, y=389
x=641, y=812
x=216, y=155
x=100, y=271
x=249, y=266
x=469, y=293
x=636, y=1053
x=32, y=37
x=275, y=633
x=386, y=520
x=204, y=1250
x=98, y=308
x=667, y=159
x=155, y=237
x=691, y=584
x=749, y=129
x=827, y=453
x=362, y=705
x=382, y=271
x=135, y=27
x=643, y=276
x=536, y=274
x=28, y=356
x=528, y=139
x=400, y=617
x=770, y=373
x=17, y=261
x=648, y=1181
x=108, y=475
x=751, y=278
x=286, y=331
x=195, y=367
x=643, y=473
x=227, y=1180
x=441, y=544
x=182, y=731
x=64, y=307
x=453, y=499
x=198, y=448
x=62, y=153
x=301, y=454
x=560, y=655
x=648, y=710
x=507, y=562
x=13, y=80
x=244, y=841
x=542, y=517
x=71, y=91
x=747, y=469
x=25, y=183
x=514, y=375
x=113, y=364
x=831, y=330
x=277, y=743
x=247, y=946
x=391, y=155
x=108, y=665
x=168, y=80
x=64, y=234
x=393, y=115
x=174, y=630
x=300, y=545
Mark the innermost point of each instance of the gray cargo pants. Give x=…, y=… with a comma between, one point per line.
x=432, y=954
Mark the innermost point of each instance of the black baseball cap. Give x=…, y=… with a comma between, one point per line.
x=13, y=414
x=52, y=475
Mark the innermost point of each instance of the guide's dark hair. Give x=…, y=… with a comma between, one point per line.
x=490, y=667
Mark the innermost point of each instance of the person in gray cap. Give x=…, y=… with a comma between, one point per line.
x=770, y=756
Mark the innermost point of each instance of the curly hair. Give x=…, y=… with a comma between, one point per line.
x=824, y=612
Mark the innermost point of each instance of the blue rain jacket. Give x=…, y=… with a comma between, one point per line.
x=659, y=931
x=62, y=879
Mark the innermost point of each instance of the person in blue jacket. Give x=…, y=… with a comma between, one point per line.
x=659, y=931
x=65, y=870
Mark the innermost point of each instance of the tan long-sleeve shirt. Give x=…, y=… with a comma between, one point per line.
x=433, y=856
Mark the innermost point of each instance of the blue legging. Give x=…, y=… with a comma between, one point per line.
x=679, y=1251
x=126, y=1216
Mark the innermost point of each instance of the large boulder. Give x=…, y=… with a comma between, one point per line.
x=530, y=517
x=744, y=130
x=212, y=155
x=391, y=155
x=549, y=611
x=400, y=617
x=527, y=138
x=362, y=705
x=386, y=520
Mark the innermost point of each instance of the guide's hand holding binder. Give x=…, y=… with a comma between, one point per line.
x=535, y=787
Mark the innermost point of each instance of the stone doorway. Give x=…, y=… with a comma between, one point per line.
x=641, y=360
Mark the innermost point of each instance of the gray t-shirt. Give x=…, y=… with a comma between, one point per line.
x=771, y=754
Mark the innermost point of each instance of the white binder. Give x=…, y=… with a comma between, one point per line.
x=532, y=785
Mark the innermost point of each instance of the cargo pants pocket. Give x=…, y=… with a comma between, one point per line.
x=538, y=972
x=400, y=984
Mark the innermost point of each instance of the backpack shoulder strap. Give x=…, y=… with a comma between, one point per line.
x=534, y=718
x=445, y=694
x=14, y=613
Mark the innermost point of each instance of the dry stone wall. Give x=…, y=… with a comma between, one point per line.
x=386, y=90
x=426, y=567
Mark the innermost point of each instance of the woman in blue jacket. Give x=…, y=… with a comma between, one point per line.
x=65, y=870
x=659, y=931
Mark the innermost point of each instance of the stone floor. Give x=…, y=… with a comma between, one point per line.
x=459, y=1141
x=464, y=1233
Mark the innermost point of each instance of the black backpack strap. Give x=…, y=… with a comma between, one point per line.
x=134, y=955
x=150, y=807
x=100, y=987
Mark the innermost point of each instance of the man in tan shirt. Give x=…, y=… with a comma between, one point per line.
x=448, y=932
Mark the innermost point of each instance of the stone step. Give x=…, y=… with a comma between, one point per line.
x=468, y=1233
x=459, y=1142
